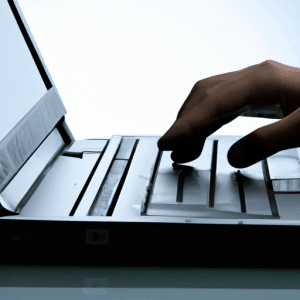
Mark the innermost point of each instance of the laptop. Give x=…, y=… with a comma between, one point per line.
x=122, y=201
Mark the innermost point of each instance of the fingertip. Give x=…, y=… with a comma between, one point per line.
x=169, y=142
x=180, y=158
x=187, y=152
x=236, y=157
x=232, y=159
x=160, y=144
x=163, y=144
x=241, y=155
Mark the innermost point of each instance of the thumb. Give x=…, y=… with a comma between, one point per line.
x=266, y=141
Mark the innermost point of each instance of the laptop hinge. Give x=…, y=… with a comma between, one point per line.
x=32, y=170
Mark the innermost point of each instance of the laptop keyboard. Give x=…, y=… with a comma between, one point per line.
x=209, y=186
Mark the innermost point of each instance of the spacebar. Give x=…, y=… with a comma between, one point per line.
x=195, y=210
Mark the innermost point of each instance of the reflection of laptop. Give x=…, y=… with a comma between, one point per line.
x=120, y=201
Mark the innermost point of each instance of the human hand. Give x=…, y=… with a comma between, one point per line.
x=217, y=100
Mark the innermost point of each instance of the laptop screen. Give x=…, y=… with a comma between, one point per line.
x=21, y=83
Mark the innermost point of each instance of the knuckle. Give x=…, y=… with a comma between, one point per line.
x=268, y=62
x=197, y=86
x=266, y=75
x=266, y=71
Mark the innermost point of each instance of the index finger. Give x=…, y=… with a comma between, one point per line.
x=217, y=109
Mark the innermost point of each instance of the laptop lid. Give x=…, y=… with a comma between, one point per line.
x=30, y=104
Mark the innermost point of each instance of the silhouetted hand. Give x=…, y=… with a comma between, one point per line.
x=269, y=87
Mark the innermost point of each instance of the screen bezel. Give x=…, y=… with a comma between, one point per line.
x=30, y=45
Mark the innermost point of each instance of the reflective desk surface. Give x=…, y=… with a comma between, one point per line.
x=86, y=282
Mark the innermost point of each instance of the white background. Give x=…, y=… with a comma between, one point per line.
x=126, y=67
